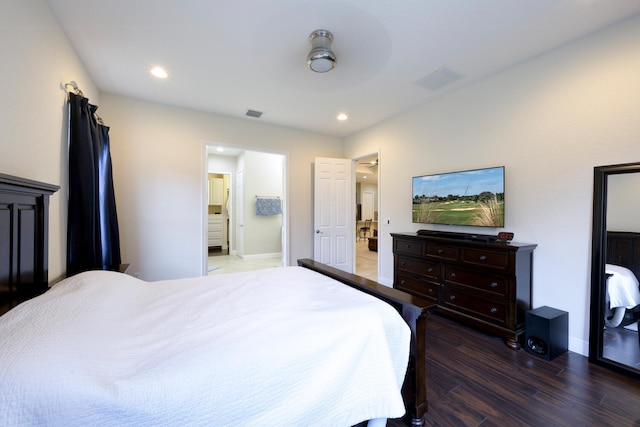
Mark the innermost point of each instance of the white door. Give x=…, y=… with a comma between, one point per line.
x=334, y=216
x=240, y=213
x=367, y=205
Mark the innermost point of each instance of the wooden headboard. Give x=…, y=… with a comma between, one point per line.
x=623, y=249
x=24, y=239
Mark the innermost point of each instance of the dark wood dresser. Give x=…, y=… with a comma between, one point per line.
x=484, y=284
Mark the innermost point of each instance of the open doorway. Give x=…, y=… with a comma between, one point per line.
x=218, y=213
x=256, y=238
x=367, y=202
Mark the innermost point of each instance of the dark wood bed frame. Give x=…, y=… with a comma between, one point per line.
x=24, y=231
x=623, y=249
x=414, y=310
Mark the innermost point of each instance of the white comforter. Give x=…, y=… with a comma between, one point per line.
x=622, y=287
x=276, y=347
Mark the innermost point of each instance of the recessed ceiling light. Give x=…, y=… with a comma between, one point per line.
x=159, y=73
x=364, y=177
x=342, y=117
x=220, y=150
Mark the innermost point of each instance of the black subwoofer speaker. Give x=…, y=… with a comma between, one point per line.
x=547, y=332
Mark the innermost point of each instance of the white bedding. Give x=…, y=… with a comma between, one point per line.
x=622, y=287
x=275, y=347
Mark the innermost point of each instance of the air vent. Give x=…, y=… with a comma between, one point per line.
x=439, y=78
x=254, y=113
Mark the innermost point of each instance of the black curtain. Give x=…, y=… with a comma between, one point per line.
x=93, y=241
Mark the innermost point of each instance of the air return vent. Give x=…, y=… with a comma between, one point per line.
x=439, y=78
x=254, y=113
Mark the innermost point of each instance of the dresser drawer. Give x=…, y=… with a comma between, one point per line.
x=214, y=222
x=465, y=303
x=441, y=252
x=479, y=257
x=408, y=247
x=215, y=234
x=423, y=268
x=415, y=286
x=494, y=284
x=214, y=240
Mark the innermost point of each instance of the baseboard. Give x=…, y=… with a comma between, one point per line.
x=385, y=281
x=579, y=346
x=262, y=256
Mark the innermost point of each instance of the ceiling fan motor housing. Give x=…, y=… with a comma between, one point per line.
x=321, y=58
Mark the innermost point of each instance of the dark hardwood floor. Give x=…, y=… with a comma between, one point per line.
x=475, y=380
x=621, y=345
x=217, y=251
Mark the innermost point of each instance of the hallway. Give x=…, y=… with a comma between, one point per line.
x=366, y=262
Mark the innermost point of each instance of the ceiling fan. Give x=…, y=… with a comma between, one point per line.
x=373, y=164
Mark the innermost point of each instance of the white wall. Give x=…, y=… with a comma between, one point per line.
x=549, y=122
x=221, y=164
x=263, y=176
x=37, y=59
x=623, y=202
x=159, y=163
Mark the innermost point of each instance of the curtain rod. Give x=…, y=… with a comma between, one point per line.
x=78, y=92
x=267, y=197
x=75, y=87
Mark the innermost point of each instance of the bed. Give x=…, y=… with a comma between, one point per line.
x=622, y=270
x=302, y=345
x=24, y=219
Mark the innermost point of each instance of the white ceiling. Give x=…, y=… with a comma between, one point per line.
x=226, y=57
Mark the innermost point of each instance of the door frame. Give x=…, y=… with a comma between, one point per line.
x=355, y=159
x=209, y=148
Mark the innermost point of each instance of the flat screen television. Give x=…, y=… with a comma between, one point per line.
x=472, y=197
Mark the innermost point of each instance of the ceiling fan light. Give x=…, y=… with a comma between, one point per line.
x=321, y=63
x=321, y=58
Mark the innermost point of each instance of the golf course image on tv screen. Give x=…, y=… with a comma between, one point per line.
x=472, y=197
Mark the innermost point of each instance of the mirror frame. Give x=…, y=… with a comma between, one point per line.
x=598, y=261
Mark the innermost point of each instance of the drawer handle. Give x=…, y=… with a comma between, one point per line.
x=452, y=297
x=453, y=274
x=402, y=282
x=408, y=246
x=494, y=285
x=483, y=257
x=440, y=251
x=430, y=290
x=430, y=270
x=402, y=263
x=493, y=310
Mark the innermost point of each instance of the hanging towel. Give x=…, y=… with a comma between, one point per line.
x=266, y=206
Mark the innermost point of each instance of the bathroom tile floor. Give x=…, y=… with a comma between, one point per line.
x=233, y=263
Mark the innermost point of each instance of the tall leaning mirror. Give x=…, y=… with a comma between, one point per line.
x=614, y=341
